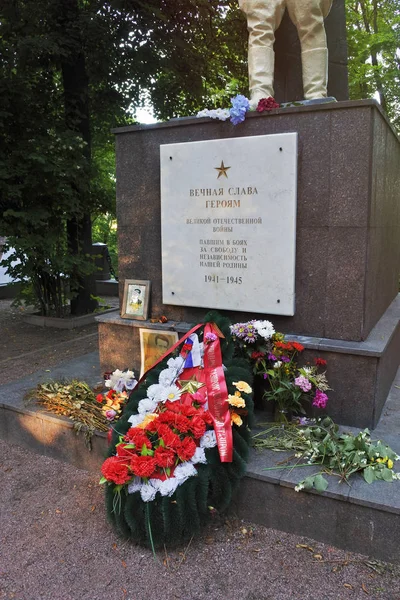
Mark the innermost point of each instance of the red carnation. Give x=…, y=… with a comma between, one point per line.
x=152, y=427
x=167, y=417
x=143, y=466
x=170, y=439
x=181, y=423
x=257, y=355
x=205, y=415
x=164, y=457
x=188, y=410
x=116, y=471
x=197, y=427
x=99, y=397
x=320, y=362
x=123, y=451
x=186, y=449
x=136, y=436
x=174, y=407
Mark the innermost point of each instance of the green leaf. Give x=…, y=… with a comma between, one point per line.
x=103, y=480
x=369, y=475
x=387, y=474
x=320, y=483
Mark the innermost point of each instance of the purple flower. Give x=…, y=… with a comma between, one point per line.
x=265, y=375
x=320, y=399
x=303, y=383
x=272, y=356
x=240, y=105
x=285, y=359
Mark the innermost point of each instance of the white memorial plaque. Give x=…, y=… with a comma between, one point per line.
x=228, y=219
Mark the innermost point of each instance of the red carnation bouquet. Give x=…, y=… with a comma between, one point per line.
x=166, y=438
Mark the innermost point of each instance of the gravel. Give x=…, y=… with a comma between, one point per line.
x=55, y=544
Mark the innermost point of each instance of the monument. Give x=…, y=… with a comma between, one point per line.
x=313, y=191
x=263, y=19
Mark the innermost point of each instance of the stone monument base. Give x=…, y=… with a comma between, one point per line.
x=347, y=307
x=360, y=373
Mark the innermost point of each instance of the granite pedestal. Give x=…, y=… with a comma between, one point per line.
x=347, y=250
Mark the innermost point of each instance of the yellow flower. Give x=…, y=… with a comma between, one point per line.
x=390, y=464
x=236, y=419
x=236, y=401
x=148, y=419
x=243, y=386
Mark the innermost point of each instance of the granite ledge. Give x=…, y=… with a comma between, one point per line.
x=190, y=120
x=374, y=345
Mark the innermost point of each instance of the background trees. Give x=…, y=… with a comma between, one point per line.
x=374, y=52
x=70, y=70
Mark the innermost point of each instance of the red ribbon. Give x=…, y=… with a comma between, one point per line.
x=217, y=393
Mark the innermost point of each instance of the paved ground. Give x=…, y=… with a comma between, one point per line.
x=26, y=348
x=55, y=543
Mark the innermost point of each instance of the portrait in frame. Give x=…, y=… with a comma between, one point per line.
x=135, y=302
x=153, y=344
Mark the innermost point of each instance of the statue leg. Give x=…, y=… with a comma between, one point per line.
x=263, y=18
x=308, y=16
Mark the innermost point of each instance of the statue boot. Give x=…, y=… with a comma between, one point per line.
x=261, y=73
x=315, y=73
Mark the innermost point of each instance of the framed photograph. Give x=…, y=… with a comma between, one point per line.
x=153, y=344
x=135, y=302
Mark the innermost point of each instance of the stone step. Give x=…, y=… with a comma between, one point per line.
x=361, y=518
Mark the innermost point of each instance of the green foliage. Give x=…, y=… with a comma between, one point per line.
x=373, y=28
x=322, y=443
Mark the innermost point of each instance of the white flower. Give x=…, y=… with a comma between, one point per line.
x=299, y=487
x=135, y=485
x=219, y=113
x=147, y=492
x=171, y=393
x=167, y=377
x=121, y=380
x=277, y=364
x=199, y=456
x=209, y=439
x=307, y=371
x=155, y=391
x=264, y=328
x=135, y=420
x=176, y=364
x=147, y=405
x=168, y=487
x=184, y=471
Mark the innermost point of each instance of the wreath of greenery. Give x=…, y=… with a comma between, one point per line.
x=173, y=520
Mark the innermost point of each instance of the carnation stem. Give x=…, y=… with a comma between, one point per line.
x=147, y=511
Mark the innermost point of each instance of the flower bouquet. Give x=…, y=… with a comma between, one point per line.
x=181, y=445
x=112, y=402
x=274, y=361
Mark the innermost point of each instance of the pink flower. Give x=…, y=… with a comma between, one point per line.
x=210, y=337
x=110, y=414
x=303, y=383
x=320, y=400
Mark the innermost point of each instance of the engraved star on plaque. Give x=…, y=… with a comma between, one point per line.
x=222, y=170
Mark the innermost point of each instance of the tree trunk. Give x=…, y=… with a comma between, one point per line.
x=77, y=118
